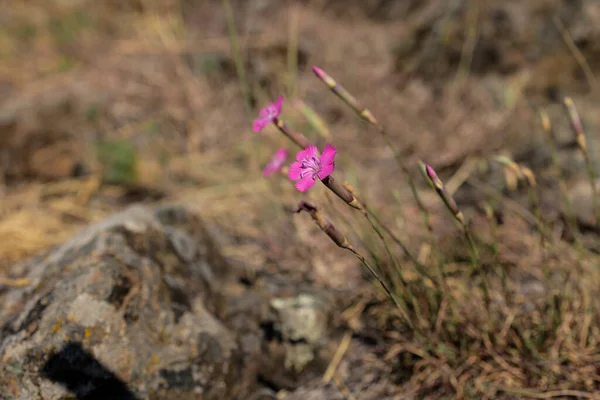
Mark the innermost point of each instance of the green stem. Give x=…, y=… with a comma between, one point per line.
x=476, y=265
x=237, y=55
x=399, y=301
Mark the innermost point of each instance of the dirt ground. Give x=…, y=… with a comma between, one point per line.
x=106, y=104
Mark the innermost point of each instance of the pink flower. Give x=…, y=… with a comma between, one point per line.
x=267, y=115
x=309, y=166
x=319, y=72
x=433, y=176
x=276, y=162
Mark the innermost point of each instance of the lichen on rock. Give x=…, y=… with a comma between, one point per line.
x=125, y=309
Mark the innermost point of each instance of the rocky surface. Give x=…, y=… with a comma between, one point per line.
x=143, y=306
x=134, y=296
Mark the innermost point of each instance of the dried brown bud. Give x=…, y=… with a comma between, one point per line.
x=323, y=223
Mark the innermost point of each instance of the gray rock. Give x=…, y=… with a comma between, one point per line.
x=582, y=201
x=126, y=309
x=302, y=322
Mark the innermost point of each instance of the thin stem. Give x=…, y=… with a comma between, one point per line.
x=341, y=241
x=476, y=265
x=348, y=197
x=373, y=214
x=437, y=184
x=342, y=192
x=577, y=54
x=418, y=265
x=237, y=55
x=398, y=269
x=399, y=301
x=569, y=214
x=577, y=126
x=292, y=54
x=489, y=212
x=368, y=116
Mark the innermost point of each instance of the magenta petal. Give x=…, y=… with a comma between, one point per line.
x=305, y=183
x=265, y=112
x=280, y=155
x=310, y=151
x=276, y=162
x=295, y=171
x=259, y=124
x=278, y=105
x=326, y=170
x=328, y=155
x=272, y=110
x=431, y=173
x=269, y=169
x=318, y=72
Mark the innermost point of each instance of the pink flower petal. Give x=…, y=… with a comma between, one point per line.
x=269, y=169
x=328, y=155
x=276, y=162
x=278, y=105
x=310, y=151
x=431, y=173
x=318, y=72
x=295, y=171
x=265, y=112
x=259, y=124
x=305, y=183
x=280, y=155
x=326, y=170
x=267, y=115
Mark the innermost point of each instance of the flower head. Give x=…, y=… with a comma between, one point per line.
x=309, y=166
x=319, y=72
x=267, y=115
x=276, y=162
x=433, y=176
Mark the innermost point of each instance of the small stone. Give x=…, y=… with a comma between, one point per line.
x=582, y=201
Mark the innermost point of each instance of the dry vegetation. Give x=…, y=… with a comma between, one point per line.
x=103, y=104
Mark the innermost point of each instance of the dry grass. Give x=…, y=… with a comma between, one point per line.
x=525, y=333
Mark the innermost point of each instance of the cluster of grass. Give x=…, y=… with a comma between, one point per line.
x=470, y=331
x=466, y=330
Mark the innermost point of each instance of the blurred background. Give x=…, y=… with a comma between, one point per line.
x=104, y=104
x=107, y=103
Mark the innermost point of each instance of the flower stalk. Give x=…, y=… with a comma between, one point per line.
x=365, y=114
x=271, y=114
x=341, y=241
x=451, y=205
x=577, y=126
x=570, y=216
